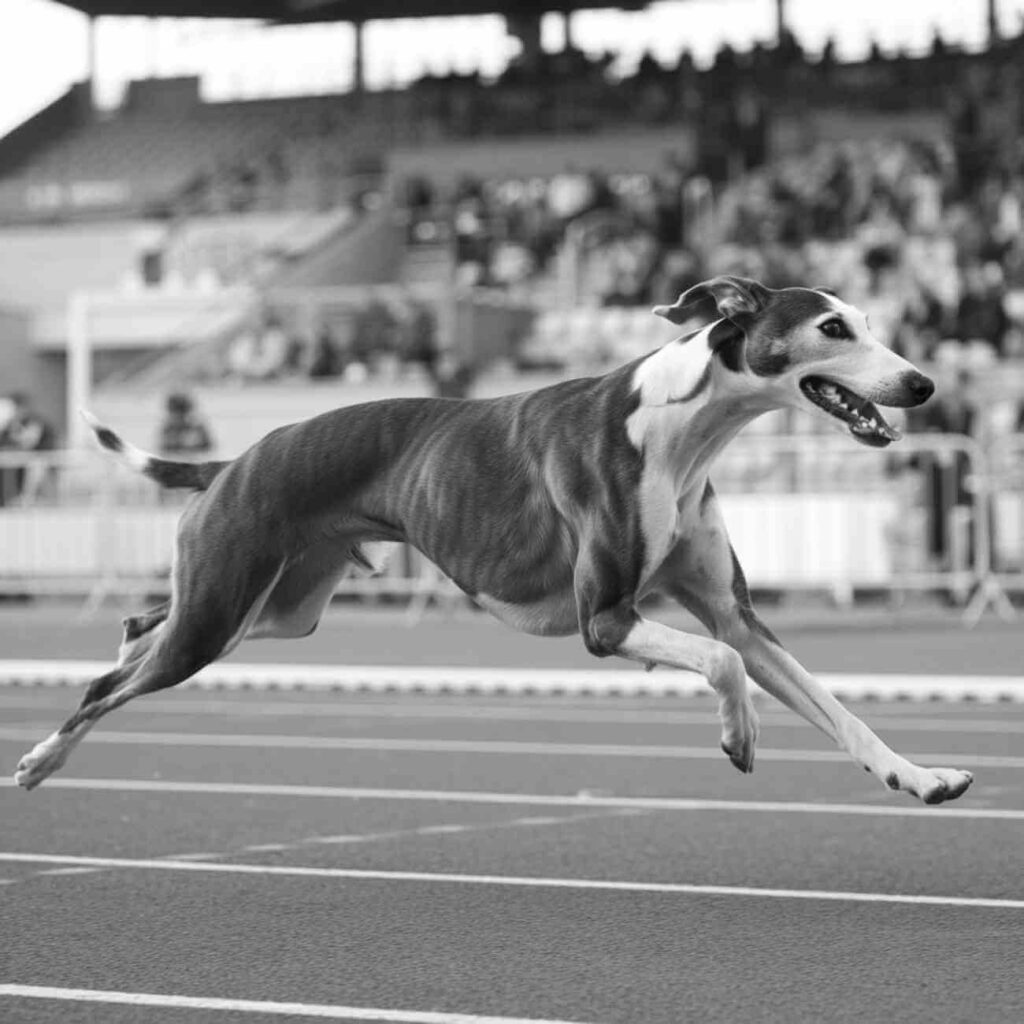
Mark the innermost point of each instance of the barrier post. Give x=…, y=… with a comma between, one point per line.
x=1005, y=465
x=79, y=382
x=988, y=591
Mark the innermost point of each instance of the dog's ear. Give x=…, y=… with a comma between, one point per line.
x=733, y=297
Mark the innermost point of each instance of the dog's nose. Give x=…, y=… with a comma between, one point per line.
x=922, y=388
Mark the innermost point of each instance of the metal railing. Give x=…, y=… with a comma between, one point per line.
x=1004, y=492
x=818, y=512
x=812, y=513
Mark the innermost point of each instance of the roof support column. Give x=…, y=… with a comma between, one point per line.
x=525, y=28
x=359, y=58
x=90, y=60
x=993, y=23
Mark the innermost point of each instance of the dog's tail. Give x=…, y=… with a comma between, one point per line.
x=195, y=476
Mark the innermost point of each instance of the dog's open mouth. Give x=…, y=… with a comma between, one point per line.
x=864, y=420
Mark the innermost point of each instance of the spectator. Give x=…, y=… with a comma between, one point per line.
x=453, y=376
x=375, y=340
x=421, y=339
x=326, y=359
x=945, y=471
x=981, y=315
x=183, y=431
x=259, y=354
x=26, y=431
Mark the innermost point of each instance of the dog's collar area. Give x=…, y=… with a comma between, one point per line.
x=865, y=422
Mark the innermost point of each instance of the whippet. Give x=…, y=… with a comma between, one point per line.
x=556, y=510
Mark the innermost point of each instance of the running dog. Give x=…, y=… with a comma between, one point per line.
x=556, y=510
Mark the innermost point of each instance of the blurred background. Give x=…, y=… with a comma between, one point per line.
x=225, y=216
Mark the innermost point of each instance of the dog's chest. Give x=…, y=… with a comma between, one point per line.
x=660, y=518
x=667, y=514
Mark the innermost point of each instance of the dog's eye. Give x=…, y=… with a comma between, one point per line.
x=834, y=329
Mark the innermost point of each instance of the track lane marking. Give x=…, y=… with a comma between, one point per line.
x=513, y=881
x=462, y=679
x=912, y=721
x=492, y=747
x=323, y=1011
x=443, y=829
x=945, y=812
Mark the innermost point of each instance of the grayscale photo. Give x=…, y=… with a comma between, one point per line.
x=511, y=513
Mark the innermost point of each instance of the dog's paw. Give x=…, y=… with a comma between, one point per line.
x=740, y=729
x=931, y=785
x=944, y=784
x=42, y=760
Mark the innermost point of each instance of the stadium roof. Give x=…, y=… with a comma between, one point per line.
x=293, y=11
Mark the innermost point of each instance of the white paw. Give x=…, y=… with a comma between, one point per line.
x=931, y=785
x=43, y=760
x=740, y=728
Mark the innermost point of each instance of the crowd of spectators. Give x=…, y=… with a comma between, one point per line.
x=730, y=99
x=506, y=234
x=923, y=232
x=378, y=338
x=888, y=225
x=934, y=260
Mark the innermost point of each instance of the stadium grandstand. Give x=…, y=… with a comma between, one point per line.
x=266, y=259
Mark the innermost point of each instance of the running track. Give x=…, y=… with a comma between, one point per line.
x=410, y=858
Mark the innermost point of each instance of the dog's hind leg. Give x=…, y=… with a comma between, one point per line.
x=140, y=631
x=298, y=599
x=178, y=652
x=193, y=635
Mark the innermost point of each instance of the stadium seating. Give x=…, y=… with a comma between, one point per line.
x=569, y=201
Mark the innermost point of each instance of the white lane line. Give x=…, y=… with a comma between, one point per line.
x=192, y=856
x=460, y=679
x=912, y=721
x=904, y=809
x=666, y=888
x=343, y=840
x=444, y=829
x=327, y=1012
x=69, y=871
x=494, y=747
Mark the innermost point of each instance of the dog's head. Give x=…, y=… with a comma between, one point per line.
x=806, y=349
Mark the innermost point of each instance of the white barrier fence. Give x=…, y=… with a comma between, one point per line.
x=1006, y=488
x=804, y=513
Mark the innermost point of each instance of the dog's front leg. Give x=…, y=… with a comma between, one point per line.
x=704, y=574
x=719, y=663
x=610, y=624
x=778, y=672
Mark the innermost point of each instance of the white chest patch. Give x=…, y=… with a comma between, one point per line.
x=659, y=519
x=676, y=371
x=674, y=383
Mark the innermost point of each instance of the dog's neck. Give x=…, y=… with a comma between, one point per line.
x=691, y=407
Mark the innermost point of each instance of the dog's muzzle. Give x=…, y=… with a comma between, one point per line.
x=862, y=418
x=918, y=389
